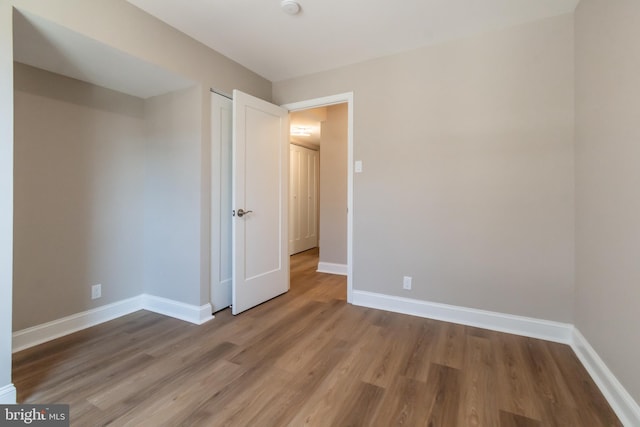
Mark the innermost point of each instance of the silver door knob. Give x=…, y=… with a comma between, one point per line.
x=242, y=212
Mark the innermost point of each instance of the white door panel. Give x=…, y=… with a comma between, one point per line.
x=260, y=185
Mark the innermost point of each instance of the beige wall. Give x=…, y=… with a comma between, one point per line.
x=468, y=169
x=106, y=191
x=79, y=162
x=608, y=182
x=127, y=28
x=122, y=26
x=172, y=196
x=333, y=186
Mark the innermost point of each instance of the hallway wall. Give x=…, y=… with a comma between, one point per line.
x=333, y=186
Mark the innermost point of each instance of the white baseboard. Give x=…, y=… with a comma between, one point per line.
x=618, y=397
x=57, y=328
x=519, y=325
x=331, y=268
x=620, y=400
x=177, y=309
x=8, y=395
x=39, y=334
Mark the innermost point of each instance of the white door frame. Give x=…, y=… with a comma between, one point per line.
x=324, y=102
x=220, y=284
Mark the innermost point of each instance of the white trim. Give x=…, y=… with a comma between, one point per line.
x=520, y=325
x=331, y=268
x=8, y=395
x=39, y=334
x=618, y=397
x=217, y=286
x=177, y=309
x=323, y=102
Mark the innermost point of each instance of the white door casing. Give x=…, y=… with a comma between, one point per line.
x=260, y=175
x=221, y=140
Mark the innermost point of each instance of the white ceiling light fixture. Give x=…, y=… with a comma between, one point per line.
x=291, y=7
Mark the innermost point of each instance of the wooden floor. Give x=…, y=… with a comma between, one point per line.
x=308, y=358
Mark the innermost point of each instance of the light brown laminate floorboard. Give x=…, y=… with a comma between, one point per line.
x=308, y=358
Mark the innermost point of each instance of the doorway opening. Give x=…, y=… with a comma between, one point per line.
x=334, y=206
x=221, y=155
x=318, y=185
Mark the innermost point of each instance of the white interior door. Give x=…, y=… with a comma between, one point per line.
x=221, y=131
x=260, y=188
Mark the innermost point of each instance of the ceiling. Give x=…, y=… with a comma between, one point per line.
x=328, y=34
x=311, y=121
x=52, y=47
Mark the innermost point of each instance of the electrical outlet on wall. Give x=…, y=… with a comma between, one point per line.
x=406, y=283
x=96, y=291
